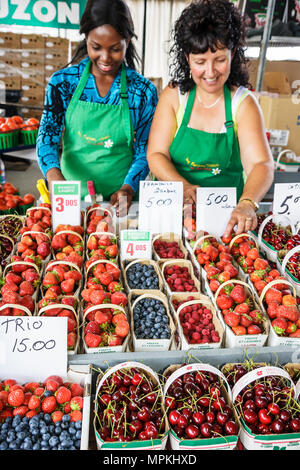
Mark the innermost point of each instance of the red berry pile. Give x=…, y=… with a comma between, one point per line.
x=267, y=406
x=283, y=311
x=276, y=235
x=179, y=279
x=239, y=311
x=98, y=219
x=130, y=407
x=197, y=323
x=165, y=249
x=197, y=408
x=101, y=246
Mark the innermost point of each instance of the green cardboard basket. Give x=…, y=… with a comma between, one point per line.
x=29, y=137
x=9, y=139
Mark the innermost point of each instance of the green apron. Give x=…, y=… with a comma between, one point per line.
x=97, y=141
x=208, y=159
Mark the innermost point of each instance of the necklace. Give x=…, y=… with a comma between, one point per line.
x=210, y=105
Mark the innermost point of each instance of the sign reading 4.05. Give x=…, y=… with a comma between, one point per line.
x=287, y=201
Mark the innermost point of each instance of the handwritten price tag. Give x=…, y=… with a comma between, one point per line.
x=214, y=208
x=33, y=347
x=65, y=203
x=160, y=206
x=135, y=244
x=287, y=201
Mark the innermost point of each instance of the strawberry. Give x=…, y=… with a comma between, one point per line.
x=111, y=251
x=279, y=325
x=97, y=297
x=49, y=279
x=49, y=404
x=119, y=298
x=291, y=327
x=76, y=403
x=76, y=389
x=62, y=395
x=296, y=334
x=34, y=403
x=103, y=318
x=224, y=301
x=26, y=288
x=246, y=320
x=273, y=295
x=57, y=378
x=20, y=410
x=256, y=316
x=71, y=340
x=43, y=249
x=57, y=416
x=239, y=330
x=254, y=330
x=232, y=319
x=114, y=286
x=76, y=415
x=92, y=340
x=290, y=313
x=122, y=329
x=16, y=397
x=52, y=385
x=260, y=264
x=13, y=278
x=92, y=327
x=92, y=243
x=105, y=278
x=253, y=254
x=238, y=294
x=67, y=286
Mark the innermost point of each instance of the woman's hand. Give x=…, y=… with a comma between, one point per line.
x=54, y=174
x=122, y=199
x=244, y=217
x=189, y=193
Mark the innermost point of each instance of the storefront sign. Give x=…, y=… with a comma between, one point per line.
x=33, y=347
x=214, y=208
x=65, y=203
x=135, y=244
x=287, y=201
x=160, y=206
x=49, y=13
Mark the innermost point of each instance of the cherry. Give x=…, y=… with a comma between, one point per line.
x=192, y=431
x=182, y=422
x=219, y=404
x=204, y=401
x=206, y=429
x=170, y=403
x=151, y=432
x=144, y=414
x=198, y=417
x=231, y=428
x=151, y=398
x=210, y=417
x=250, y=416
x=173, y=417
x=249, y=405
x=217, y=429
x=135, y=426
x=222, y=418
x=295, y=425
x=263, y=428
x=285, y=416
x=277, y=426
x=273, y=408
x=264, y=417
x=137, y=379
x=105, y=398
x=261, y=401
x=187, y=413
x=143, y=436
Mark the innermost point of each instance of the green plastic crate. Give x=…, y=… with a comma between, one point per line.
x=29, y=137
x=9, y=139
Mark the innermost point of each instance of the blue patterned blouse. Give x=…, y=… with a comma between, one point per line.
x=142, y=100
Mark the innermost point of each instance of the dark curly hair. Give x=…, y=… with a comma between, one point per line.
x=203, y=25
x=115, y=13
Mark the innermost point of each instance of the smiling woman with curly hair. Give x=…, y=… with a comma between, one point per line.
x=208, y=128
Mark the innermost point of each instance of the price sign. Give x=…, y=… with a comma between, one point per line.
x=65, y=203
x=135, y=244
x=214, y=208
x=287, y=201
x=33, y=347
x=160, y=206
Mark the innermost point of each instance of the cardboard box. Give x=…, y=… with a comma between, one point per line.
x=27, y=113
x=52, y=43
x=277, y=82
x=32, y=41
x=289, y=67
x=283, y=112
x=10, y=40
x=10, y=82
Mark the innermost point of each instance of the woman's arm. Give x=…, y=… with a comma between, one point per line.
x=257, y=162
x=161, y=135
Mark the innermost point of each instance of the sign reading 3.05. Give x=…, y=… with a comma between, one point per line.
x=65, y=203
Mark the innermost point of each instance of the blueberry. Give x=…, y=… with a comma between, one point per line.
x=77, y=444
x=72, y=431
x=36, y=446
x=53, y=441
x=65, y=443
x=48, y=393
x=27, y=446
x=25, y=419
x=66, y=418
x=47, y=418
x=57, y=430
x=78, y=424
x=3, y=445
x=46, y=437
x=21, y=435
x=45, y=447
x=78, y=434
x=13, y=445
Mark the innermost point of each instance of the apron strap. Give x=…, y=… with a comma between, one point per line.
x=229, y=124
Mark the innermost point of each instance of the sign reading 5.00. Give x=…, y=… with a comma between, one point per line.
x=214, y=207
x=65, y=203
x=160, y=206
x=287, y=201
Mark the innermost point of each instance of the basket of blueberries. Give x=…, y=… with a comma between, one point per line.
x=142, y=274
x=151, y=323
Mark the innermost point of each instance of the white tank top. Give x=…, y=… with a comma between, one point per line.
x=236, y=101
